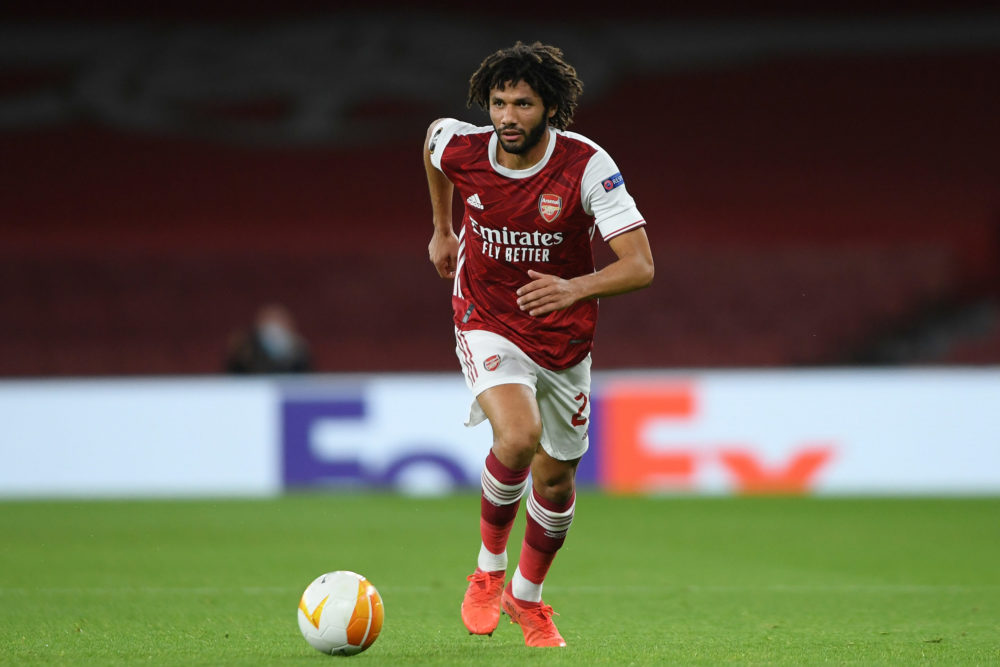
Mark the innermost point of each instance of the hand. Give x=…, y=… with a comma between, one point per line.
x=546, y=294
x=443, y=252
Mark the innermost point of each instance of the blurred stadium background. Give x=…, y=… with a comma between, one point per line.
x=823, y=194
x=822, y=187
x=822, y=190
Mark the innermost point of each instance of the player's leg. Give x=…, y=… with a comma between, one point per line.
x=563, y=399
x=514, y=417
x=550, y=508
x=505, y=396
x=512, y=412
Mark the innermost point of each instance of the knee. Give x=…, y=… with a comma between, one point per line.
x=557, y=487
x=516, y=444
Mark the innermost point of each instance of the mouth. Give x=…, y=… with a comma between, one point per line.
x=511, y=135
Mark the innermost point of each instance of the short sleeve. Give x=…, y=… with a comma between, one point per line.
x=442, y=134
x=606, y=198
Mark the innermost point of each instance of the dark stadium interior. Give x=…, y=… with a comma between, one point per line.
x=820, y=189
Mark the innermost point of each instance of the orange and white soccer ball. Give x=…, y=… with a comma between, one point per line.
x=341, y=613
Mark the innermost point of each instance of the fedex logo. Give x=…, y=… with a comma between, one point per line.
x=660, y=437
x=337, y=442
x=406, y=434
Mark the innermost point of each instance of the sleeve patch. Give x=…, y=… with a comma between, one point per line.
x=434, y=140
x=612, y=182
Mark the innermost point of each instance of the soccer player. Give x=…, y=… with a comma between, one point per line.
x=525, y=305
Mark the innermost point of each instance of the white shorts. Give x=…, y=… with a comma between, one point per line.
x=489, y=359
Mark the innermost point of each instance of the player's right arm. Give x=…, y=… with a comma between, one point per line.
x=443, y=248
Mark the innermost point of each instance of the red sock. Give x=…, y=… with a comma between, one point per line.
x=548, y=523
x=501, y=496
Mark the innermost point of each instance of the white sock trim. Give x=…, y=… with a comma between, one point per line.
x=491, y=562
x=524, y=589
x=555, y=524
x=501, y=494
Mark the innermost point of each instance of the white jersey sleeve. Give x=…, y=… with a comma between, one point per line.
x=442, y=134
x=605, y=197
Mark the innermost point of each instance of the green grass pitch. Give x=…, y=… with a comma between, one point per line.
x=641, y=580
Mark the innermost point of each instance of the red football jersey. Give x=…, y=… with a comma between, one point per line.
x=541, y=218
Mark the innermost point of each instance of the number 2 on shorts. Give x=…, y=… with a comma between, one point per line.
x=578, y=418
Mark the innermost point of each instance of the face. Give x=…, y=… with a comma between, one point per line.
x=519, y=117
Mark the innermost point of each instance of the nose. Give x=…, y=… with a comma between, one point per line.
x=507, y=115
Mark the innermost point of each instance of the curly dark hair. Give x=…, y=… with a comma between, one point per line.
x=540, y=66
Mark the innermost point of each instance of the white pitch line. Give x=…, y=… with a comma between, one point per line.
x=573, y=589
x=785, y=588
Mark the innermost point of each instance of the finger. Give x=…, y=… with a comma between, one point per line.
x=530, y=295
x=541, y=302
x=533, y=286
x=536, y=281
x=544, y=309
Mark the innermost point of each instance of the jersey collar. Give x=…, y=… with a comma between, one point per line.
x=521, y=173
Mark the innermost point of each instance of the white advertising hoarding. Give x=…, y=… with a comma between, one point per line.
x=152, y=437
x=828, y=432
x=707, y=432
x=404, y=432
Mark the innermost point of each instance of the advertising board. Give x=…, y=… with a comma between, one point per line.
x=826, y=432
x=152, y=437
x=830, y=432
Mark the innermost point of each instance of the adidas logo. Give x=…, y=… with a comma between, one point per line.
x=474, y=201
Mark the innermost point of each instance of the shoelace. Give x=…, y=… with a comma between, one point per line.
x=543, y=613
x=540, y=626
x=482, y=581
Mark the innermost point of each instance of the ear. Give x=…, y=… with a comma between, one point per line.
x=552, y=112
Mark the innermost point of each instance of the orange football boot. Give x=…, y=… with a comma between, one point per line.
x=481, y=605
x=535, y=619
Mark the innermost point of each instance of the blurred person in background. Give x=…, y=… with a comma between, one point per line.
x=525, y=306
x=271, y=345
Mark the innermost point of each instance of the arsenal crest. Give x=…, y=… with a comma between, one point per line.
x=549, y=207
x=492, y=363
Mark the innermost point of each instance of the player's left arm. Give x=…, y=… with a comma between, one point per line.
x=632, y=270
